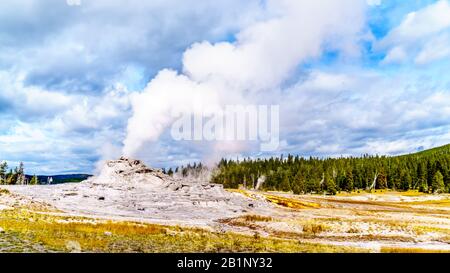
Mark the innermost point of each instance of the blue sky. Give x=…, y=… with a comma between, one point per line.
x=350, y=76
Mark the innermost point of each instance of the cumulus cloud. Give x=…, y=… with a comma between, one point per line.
x=81, y=84
x=29, y=102
x=422, y=36
x=436, y=48
x=264, y=55
x=71, y=139
x=66, y=72
x=78, y=48
x=354, y=117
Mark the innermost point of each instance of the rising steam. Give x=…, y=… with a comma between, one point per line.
x=261, y=59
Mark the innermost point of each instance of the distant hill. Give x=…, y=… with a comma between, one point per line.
x=426, y=170
x=442, y=150
x=59, y=179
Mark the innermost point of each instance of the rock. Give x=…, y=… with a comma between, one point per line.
x=2, y=230
x=101, y=198
x=174, y=186
x=71, y=194
x=127, y=167
x=131, y=173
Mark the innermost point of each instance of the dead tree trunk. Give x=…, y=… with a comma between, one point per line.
x=374, y=182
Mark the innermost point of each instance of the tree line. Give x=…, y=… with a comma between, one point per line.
x=190, y=170
x=427, y=171
x=15, y=176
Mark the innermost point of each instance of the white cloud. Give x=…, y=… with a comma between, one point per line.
x=421, y=36
x=57, y=132
x=96, y=113
x=267, y=52
x=67, y=81
x=263, y=57
x=374, y=2
x=32, y=101
x=80, y=48
x=395, y=55
x=167, y=95
x=371, y=113
x=427, y=21
x=59, y=66
x=435, y=49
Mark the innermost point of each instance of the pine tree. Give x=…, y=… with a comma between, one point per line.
x=430, y=173
x=437, y=185
x=285, y=186
x=340, y=181
x=398, y=173
x=20, y=174
x=423, y=186
x=299, y=185
x=3, y=170
x=348, y=182
x=34, y=180
x=330, y=186
x=381, y=180
x=421, y=175
x=11, y=178
x=406, y=181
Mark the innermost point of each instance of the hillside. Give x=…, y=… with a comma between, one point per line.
x=427, y=171
x=63, y=178
x=442, y=150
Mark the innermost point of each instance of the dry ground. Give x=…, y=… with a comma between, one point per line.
x=379, y=222
x=30, y=226
x=357, y=222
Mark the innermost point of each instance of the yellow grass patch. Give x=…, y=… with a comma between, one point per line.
x=292, y=203
x=314, y=228
x=410, y=250
x=64, y=233
x=257, y=218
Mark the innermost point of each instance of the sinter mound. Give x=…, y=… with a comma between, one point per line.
x=129, y=171
x=128, y=189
